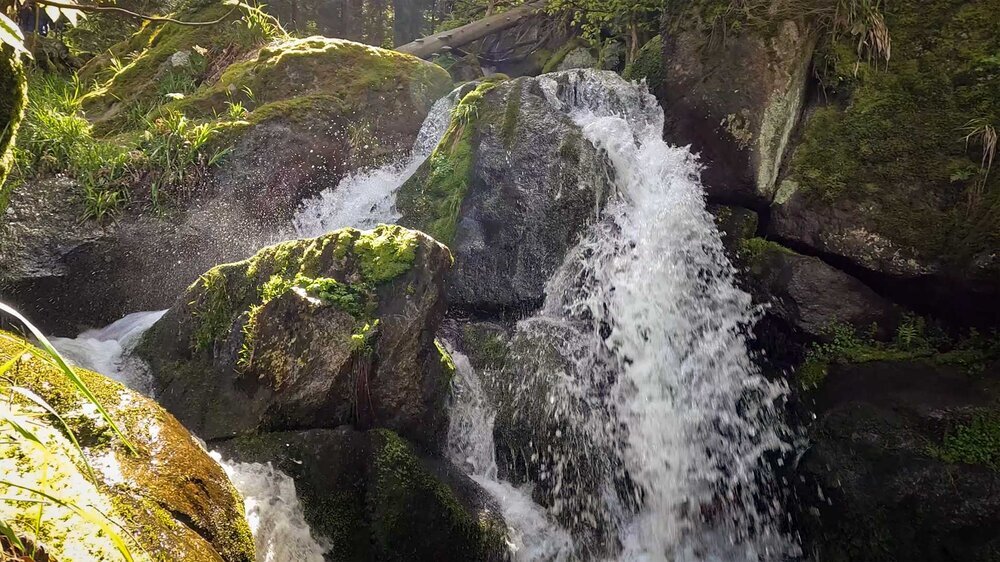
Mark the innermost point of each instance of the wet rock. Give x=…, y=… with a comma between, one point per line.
x=808, y=294
x=311, y=334
x=735, y=102
x=898, y=467
x=169, y=496
x=509, y=189
x=579, y=57
x=376, y=498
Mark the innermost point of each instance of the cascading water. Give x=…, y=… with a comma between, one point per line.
x=274, y=512
x=660, y=422
x=368, y=198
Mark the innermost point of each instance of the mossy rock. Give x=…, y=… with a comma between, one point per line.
x=333, y=330
x=883, y=175
x=169, y=496
x=648, y=65
x=377, y=497
x=13, y=96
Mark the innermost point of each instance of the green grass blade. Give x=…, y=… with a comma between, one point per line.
x=8, y=532
x=70, y=374
x=45, y=406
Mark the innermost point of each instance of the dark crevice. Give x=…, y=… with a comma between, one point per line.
x=957, y=302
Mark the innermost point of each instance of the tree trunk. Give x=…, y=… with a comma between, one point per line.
x=474, y=31
x=408, y=20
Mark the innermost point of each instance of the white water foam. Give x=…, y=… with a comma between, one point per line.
x=273, y=510
x=274, y=513
x=670, y=419
x=104, y=350
x=367, y=199
x=532, y=535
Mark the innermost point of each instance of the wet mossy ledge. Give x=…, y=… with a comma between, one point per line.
x=311, y=333
x=13, y=96
x=168, y=501
x=890, y=172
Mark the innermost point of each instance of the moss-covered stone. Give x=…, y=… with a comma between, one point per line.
x=432, y=200
x=169, y=500
x=648, y=64
x=401, y=487
x=13, y=96
x=886, y=170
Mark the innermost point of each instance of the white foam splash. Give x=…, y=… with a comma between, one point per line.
x=105, y=350
x=274, y=513
x=532, y=535
x=366, y=199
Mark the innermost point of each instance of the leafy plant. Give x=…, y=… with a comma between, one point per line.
x=178, y=153
x=257, y=27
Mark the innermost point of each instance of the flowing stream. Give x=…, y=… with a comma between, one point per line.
x=656, y=425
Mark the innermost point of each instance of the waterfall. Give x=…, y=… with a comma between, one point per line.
x=662, y=422
x=273, y=510
x=368, y=198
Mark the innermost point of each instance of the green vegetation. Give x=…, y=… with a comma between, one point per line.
x=63, y=493
x=648, y=64
x=915, y=340
x=404, y=487
x=974, y=442
x=909, y=143
x=431, y=201
x=12, y=101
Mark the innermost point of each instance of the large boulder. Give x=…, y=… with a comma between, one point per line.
x=808, y=294
x=903, y=464
x=295, y=118
x=311, y=334
x=889, y=174
x=735, y=100
x=13, y=96
x=509, y=189
x=376, y=498
x=169, y=495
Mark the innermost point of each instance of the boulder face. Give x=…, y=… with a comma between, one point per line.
x=520, y=184
x=810, y=295
x=170, y=496
x=375, y=498
x=737, y=101
x=889, y=175
x=13, y=96
x=903, y=464
x=311, y=334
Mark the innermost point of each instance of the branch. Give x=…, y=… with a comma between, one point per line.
x=87, y=8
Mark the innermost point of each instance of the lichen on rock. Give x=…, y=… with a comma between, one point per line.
x=169, y=500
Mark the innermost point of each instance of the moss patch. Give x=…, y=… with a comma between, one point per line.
x=432, y=200
x=894, y=143
x=648, y=64
x=13, y=96
x=974, y=442
x=445, y=529
x=170, y=496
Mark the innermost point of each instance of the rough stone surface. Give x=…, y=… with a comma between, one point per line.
x=809, y=294
x=377, y=498
x=735, y=103
x=170, y=495
x=872, y=487
x=310, y=334
x=13, y=96
x=534, y=183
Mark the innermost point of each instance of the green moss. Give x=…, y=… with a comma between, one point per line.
x=386, y=252
x=894, y=146
x=553, y=62
x=13, y=96
x=214, y=310
x=445, y=528
x=753, y=251
x=432, y=200
x=648, y=64
x=486, y=347
x=447, y=363
x=974, y=442
x=915, y=340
